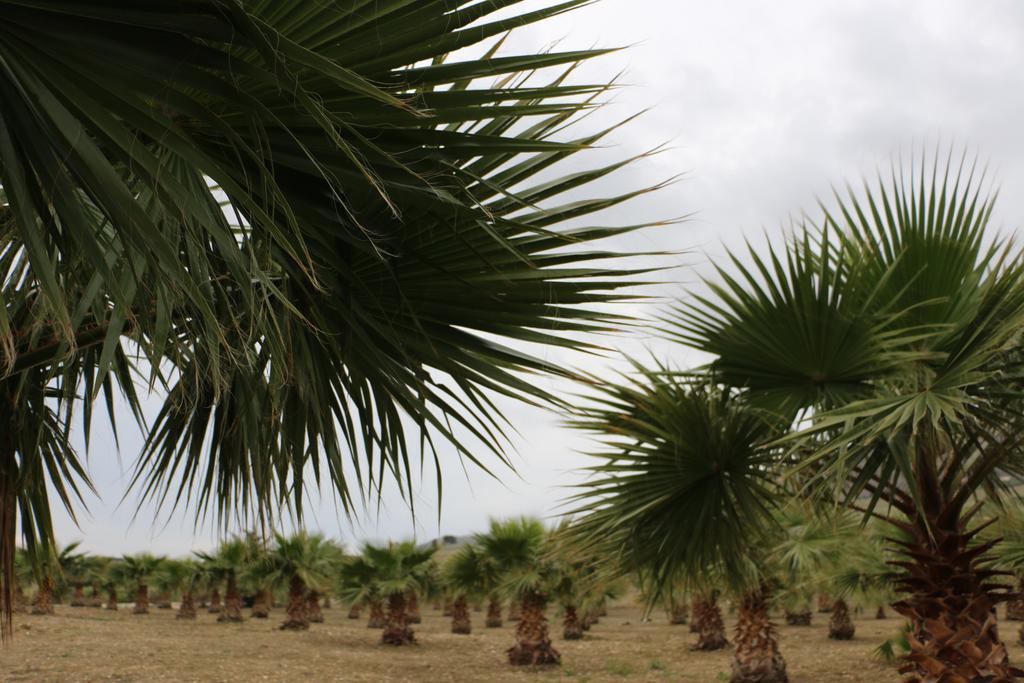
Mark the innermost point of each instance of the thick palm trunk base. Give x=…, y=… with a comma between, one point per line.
x=163, y=600
x=232, y=611
x=355, y=611
x=840, y=625
x=757, y=658
x=880, y=614
x=396, y=624
x=142, y=601
x=952, y=605
x=295, y=613
x=43, y=604
x=802, y=618
x=678, y=614
x=78, y=596
x=493, y=613
x=707, y=618
x=111, y=600
x=376, y=619
x=313, y=611
x=187, y=609
x=261, y=605
x=460, y=617
x=572, y=627
x=94, y=599
x=533, y=645
x=214, y=607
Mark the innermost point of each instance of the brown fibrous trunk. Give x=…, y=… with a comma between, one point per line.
x=355, y=610
x=261, y=605
x=214, y=607
x=678, y=613
x=141, y=600
x=111, y=599
x=78, y=596
x=880, y=613
x=825, y=603
x=533, y=645
x=232, y=611
x=460, y=617
x=757, y=658
x=572, y=627
x=707, y=618
x=840, y=625
x=313, y=612
x=951, y=603
x=295, y=613
x=44, y=597
x=396, y=623
x=412, y=608
x=376, y=619
x=493, y=613
x=187, y=609
x=514, y=608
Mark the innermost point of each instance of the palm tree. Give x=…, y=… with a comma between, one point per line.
x=222, y=568
x=887, y=336
x=302, y=563
x=466, y=574
x=358, y=584
x=517, y=546
x=113, y=577
x=52, y=567
x=180, y=576
x=368, y=208
x=139, y=569
x=399, y=569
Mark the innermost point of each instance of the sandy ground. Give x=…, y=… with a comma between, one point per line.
x=85, y=644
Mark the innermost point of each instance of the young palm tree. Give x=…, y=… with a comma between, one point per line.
x=357, y=584
x=467, y=575
x=139, y=569
x=399, y=568
x=517, y=546
x=223, y=568
x=301, y=562
x=180, y=576
x=53, y=567
x=370, y=188
x=112, y=579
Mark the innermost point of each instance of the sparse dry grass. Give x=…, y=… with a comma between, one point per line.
x=86, y=644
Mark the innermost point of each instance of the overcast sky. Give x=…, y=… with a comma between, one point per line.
x=765, y=105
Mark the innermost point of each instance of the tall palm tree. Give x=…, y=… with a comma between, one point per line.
x=302, y=563
x=305, y=216
x=140, y=569
x=518, y=546
x=399, y=569
x=887, y=336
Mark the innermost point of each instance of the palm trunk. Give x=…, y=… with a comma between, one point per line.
x=678, y=613
x=261, y=605
x=313, y=612
x=460, y=617
x=396, y=624
x=825, y=603
x=214, y=607
x=493, y=613
x=296, y=611
x=533, y=645
x=801, y=618
x=1015, y=607
x=572, y=627
x=163, y=600
x=232, y=611
x=880, y=613
x=950, y=602
x=112, y=599
x=412, y=608
x=446, y=610
x=840, y=626
x=44, y=597
x=514, y=608
x=94, y=599
x=187, y=609
x=376, y=619
x=141, y=600
x=78, y=596
x=707, y=617
x=354, y=610
x=757, y=658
